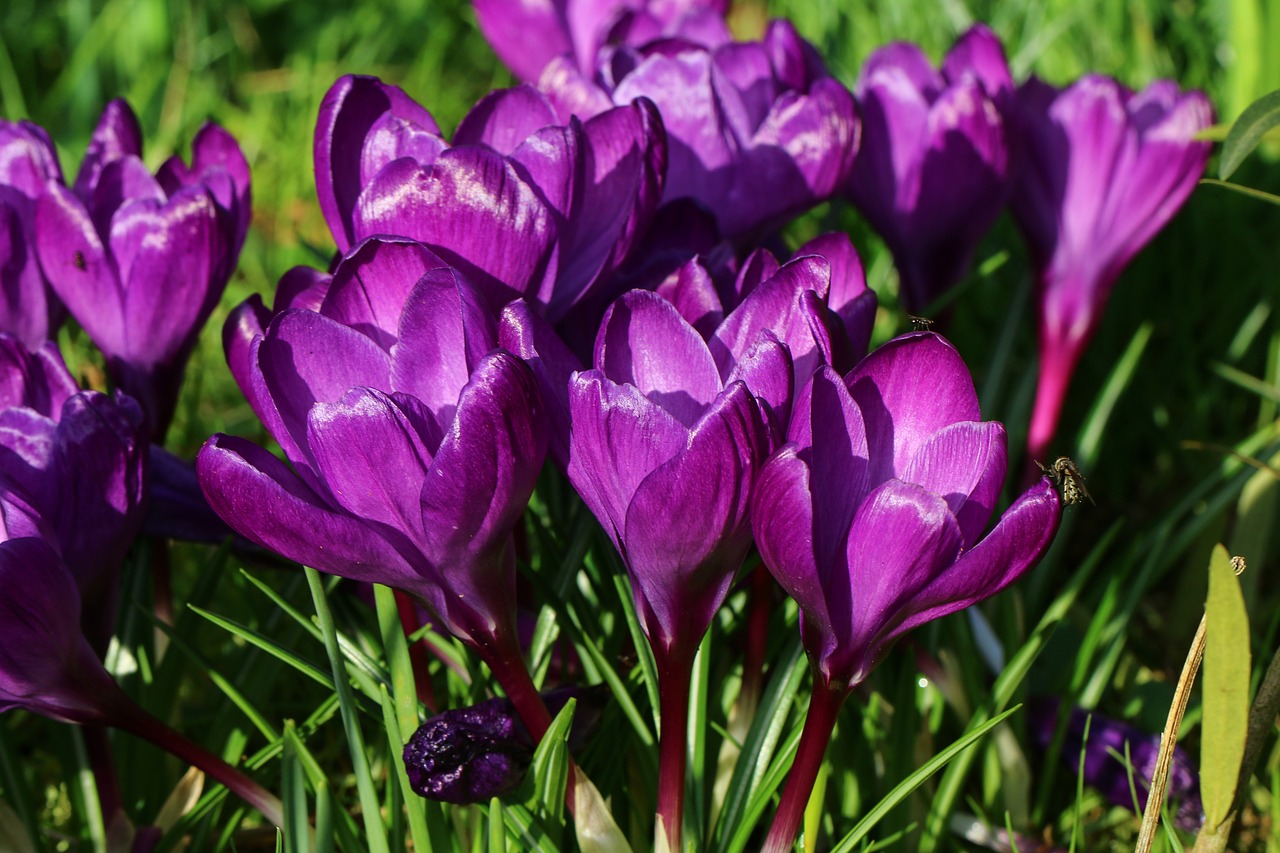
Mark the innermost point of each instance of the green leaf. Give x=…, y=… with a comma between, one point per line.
x=915, y=780
x=1243, y=190
x=1259, y=117
x=1226, y=690
x=293, y=796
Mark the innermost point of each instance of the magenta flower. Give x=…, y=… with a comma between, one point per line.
x=872, y=516
x=666, y=435
x=522, y=204
x=1101, y=170
x=72, y=471
x=526, y=36
x=932, y=174
x=141, y=260
x=28, y=162
x=759, y=131
x=414, y=444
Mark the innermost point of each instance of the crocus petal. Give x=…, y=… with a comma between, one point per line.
x=77, y=266
x=245, y=324
x=373, y=456
x=644, y=342
x=265, y=502
x=505, y=118
x=524, y=333
x=478, y=485
x=445, y=331
x=349, y=109
x=901, y=539
x=117, y=135
x=305, y=359
x=526, y=35
x=965, y=464
x=46, y=665
x=470, y=208
x=34, y=378
x=301, y=287
x=617, y=437
x=168, y=257
x=687, y=526
x=693, y=293
x=979, y=54
x=783, y=525
x=1016, y=544
x=28, y=158
x=768, y=373
x=907, y=390
x=372, y=284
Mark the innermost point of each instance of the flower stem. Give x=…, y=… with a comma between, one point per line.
x=675, y=669
x=102, y=762
x=819, y=722
x=134, y=720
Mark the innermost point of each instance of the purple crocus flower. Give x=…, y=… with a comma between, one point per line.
x=1101, y=170
x=872, y=517
x=528, y=35
x=141, y=260
x=414, y=443
x=932, y=173
x=1105, y=751
x=759, y=131
x=523, y=204
x=72, y=471
x=48, y=667
x=28, y=162
x=666, y=435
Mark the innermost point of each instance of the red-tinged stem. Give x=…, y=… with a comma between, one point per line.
x=819, y=722
x=417, y=654
x=135, y=721
x=675, y=669
x=1058, y=359
x=102, y=762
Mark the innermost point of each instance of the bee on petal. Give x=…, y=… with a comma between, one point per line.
x=1065, y=474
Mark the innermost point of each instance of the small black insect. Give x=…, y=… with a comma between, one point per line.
x=920, y=324
x=1066, y=475
x=77, y=258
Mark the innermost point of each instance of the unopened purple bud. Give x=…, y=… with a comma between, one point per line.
x=468, y=755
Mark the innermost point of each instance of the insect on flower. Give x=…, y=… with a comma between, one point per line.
x=1066, y=475
x=77, y=258
x=919, y=324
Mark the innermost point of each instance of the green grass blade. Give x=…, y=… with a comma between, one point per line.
x=375, y=832
x=267, y=645
x=293, y=796
x=904, y=788
x=1245, y=134
x=414, y=806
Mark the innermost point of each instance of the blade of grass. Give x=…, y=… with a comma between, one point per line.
x=375, y=832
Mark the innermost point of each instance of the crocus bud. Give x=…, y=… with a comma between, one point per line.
x=932, y=173
x=1101, y=171
x=28, y=162
x=760, y=131
x=141, y=260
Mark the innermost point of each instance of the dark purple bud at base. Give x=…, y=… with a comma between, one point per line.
x=468, y=755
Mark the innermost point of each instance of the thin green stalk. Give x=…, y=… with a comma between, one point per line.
x=375, y=832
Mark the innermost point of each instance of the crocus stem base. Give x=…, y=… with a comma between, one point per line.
x=819, y=722
x=674, y=674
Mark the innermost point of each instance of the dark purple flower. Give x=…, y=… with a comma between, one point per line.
x=666, y=435
x=1110, y=744
x=141, y=260
x=521, y=203
x=1101, y=170
x=872, y=519
x=72, y=471
x=759, y=132
x=48, y=667
x=528, y=35
x=932, y=173
x=28, y=162
x=414, y=442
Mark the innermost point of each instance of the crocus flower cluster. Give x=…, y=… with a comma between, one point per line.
x=578, y=274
